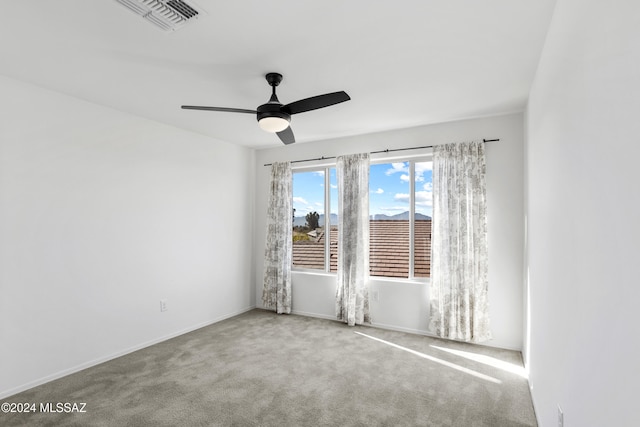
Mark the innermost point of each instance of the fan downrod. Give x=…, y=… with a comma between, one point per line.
x=273, y=79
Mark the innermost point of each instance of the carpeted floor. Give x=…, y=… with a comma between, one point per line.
x=263, y=369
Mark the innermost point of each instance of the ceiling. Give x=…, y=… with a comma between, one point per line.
x=404, y=63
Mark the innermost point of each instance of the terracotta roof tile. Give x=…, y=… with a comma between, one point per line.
x=388, y=251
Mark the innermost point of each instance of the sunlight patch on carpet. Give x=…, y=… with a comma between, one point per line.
x=435, y=359
x=487, y=360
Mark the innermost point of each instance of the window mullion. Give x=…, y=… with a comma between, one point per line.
x=412, y=215
x=327, y=220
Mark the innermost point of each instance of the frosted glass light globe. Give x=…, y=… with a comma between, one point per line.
x=273, y=124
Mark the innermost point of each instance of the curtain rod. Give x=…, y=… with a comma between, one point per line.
x=375, y=152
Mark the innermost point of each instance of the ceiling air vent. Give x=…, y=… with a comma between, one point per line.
x=169, y=15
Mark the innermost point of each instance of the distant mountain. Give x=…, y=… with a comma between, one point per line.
x=404, y=216
x=300, y=221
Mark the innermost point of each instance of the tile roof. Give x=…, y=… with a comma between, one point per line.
x=388, y=251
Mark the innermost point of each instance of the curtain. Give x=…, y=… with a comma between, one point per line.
x=352, y=295
x=459, y=283
x=276, y=291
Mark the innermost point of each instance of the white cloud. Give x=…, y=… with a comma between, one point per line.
x=333, y=185
x=421, y=168
x=318, y=204
x=397, y=167
x=378, y=191
x=405, y=178
x=318, y=173
x=303, y=207
x=424, y=198
x=300, y=200
x=401, y=197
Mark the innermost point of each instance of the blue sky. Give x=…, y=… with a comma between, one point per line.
x=388, y=189
x=308, y=192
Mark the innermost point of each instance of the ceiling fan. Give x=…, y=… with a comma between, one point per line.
x=275, y=117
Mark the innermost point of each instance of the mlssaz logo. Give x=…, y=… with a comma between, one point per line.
x=65, y=407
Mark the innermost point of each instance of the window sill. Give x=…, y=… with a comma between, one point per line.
x=312, y=272
x=418, y=281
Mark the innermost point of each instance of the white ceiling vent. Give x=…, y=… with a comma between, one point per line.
x=169, y=15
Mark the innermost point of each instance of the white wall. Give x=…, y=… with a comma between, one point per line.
x=404, y=306
x=583, y=148
x=102, y=214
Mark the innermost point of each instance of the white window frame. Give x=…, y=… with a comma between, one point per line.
x=422, y=155
x=412, y=160
x=327, y=216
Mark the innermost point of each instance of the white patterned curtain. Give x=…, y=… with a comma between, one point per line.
x=276, y=291
x=459, y=282
x=352, y=295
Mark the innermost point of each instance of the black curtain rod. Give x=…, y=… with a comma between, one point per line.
x=375, y=152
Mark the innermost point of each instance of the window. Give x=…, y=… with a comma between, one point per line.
x=423, y=202
x=400, y=206
x=315, y=238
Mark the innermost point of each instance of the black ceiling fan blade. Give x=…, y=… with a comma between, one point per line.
x=286, y=136
x=316, y=102
x=224, y=109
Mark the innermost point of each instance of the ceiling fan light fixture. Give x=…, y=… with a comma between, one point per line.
x=273, y=124
x=273, y=117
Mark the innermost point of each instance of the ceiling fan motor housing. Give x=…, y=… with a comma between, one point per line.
x=272, y=110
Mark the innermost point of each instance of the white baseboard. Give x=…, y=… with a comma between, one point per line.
x=8, y=393
x=373, y=324
x=432, y=335
x=402, y=329
x=319, y=316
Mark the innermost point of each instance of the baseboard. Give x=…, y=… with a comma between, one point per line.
x=308, y=314
x=533, y=401
x=89, y=364
x=432, y=335
x=401, y=329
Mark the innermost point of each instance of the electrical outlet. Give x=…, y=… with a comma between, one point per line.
x=560, y=417
x=163, y=305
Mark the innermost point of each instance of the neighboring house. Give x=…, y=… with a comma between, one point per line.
x=388, y=252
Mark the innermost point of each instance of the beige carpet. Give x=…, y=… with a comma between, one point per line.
x=263, y=369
